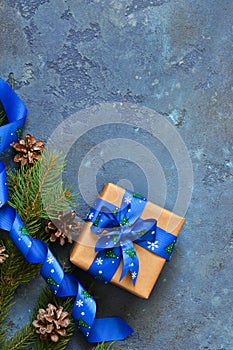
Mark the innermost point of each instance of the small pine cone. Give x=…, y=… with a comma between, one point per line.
x=63, y=227
x=51, y=323
x=3, y=256
x=28, y=150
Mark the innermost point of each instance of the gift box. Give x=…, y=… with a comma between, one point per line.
x=126, y=240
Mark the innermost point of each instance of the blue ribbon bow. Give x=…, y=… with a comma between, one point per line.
x=37, y=252
x=118, y=229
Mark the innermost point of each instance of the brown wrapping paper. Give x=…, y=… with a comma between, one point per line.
x=150, y=265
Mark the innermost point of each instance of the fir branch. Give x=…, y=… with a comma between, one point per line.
x=13, y=272
x=55, y=197
x=27, y=336
x=22, y=339
x=38, y=192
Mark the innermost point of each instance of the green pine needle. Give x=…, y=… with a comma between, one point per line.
x=54, y=196
x=104, y=346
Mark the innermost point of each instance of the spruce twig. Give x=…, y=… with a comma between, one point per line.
x=55, y=197
x=38, y=192
x=14, y=272
x=27, y=336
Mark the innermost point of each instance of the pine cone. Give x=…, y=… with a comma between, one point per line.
x=51, y=323
x=3, y=256
x=63, y=227
x=27, y=149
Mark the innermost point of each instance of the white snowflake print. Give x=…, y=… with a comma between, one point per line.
x=29, y=244
x=79, y=303
x=153, y=245
x=99, y=261
x=134, y=275
x=50, y=260
x=91, y=215
x=128, y=199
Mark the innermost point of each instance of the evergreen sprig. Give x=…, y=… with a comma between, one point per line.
x=104, y=346
x=27, y=338
x=55, y=196
x=13, y=272
x=38, y=192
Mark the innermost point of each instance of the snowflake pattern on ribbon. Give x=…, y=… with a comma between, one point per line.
x=128, y=199
x=99, y=261
x=152, y=245
x=79, y=303
x=50, y=260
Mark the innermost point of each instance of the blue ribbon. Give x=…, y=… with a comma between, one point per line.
x=37, y=252
x=124, y=229
x=16, y=114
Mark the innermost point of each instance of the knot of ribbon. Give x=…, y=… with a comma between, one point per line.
x=37, y=252
x=118, y=230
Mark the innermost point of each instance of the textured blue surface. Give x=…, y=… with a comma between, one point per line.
x=175, y=57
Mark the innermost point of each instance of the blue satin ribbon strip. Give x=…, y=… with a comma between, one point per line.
x=118, y=229
x=16, y=114
x=37, y=252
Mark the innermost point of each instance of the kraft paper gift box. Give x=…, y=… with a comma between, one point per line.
x=150, y=264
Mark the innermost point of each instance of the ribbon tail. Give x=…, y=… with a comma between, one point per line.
x=126, y=265
x=130, y=261
x=109, y=329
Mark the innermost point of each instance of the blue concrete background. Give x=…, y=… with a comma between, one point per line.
x=175, y=57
